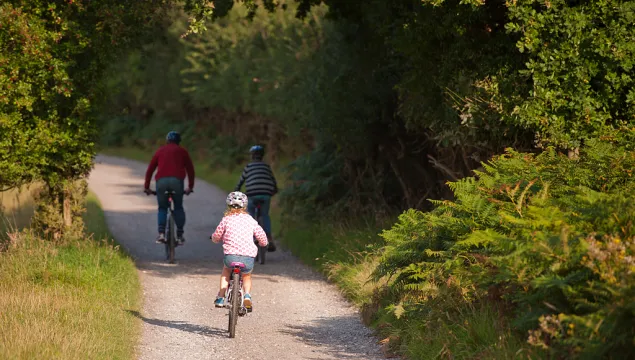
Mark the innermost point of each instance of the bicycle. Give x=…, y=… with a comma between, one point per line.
x=234, y=297
x=170, y=233
x=262, y=250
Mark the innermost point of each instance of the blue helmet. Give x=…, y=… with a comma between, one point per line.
x=173, y=137
x=257, y=151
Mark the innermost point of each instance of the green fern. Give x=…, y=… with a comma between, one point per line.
x=524, y=225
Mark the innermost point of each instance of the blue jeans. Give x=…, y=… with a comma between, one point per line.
x=176, y=185
x=248, y=261
x=264, y=210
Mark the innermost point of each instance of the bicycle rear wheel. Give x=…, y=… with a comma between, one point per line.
x=235, y=303
x=262, y=250
x=170, y=241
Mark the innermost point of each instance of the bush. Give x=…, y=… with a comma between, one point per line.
x=547, y=236
x=59, y=209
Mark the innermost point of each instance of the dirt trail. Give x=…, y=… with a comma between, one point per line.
x=296, y=314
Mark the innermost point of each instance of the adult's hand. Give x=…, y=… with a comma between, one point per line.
x=147, y=191
x=188, y=191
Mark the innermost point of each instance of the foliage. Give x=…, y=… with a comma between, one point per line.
x=581, y=64
x=276, y=80
x=400, y=95
x=570, y=79
x=547, y=235
x=52, y=53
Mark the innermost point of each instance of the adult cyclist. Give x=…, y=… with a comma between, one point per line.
x=173, y=163
x=260, y=184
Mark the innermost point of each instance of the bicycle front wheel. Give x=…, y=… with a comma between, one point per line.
x=235, y=304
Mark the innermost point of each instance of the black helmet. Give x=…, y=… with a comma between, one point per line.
x=173, y=137
x=257, y=151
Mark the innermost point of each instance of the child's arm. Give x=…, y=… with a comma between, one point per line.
x=275, y=183
x=260, y=236
x=220, y=231
x=242, y=179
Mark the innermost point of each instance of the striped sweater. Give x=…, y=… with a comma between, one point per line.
x=258, y=179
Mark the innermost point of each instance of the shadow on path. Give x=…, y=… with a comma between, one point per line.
x=334, y=336
x=182, y=325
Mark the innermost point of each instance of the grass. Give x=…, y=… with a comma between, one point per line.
x=94, y=218
x=68, y=300
x=470, y=333
x=347, y=255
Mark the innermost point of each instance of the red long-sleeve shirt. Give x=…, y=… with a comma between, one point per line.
x=172, y=161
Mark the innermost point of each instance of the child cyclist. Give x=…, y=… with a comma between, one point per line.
x=260, y=185
x=236, y=231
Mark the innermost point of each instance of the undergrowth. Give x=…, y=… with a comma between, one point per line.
x=548, y=239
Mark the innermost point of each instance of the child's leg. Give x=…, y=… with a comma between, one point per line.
x=247, y=283
x=224, y=281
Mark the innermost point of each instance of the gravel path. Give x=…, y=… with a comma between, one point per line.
x=297, y=315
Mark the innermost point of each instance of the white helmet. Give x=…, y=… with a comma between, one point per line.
x=236, y=199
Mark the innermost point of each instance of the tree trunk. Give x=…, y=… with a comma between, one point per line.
x=66, y=209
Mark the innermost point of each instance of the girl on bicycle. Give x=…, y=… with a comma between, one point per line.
x=236, y=231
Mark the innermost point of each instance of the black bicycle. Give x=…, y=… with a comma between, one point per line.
x=235, y=297
x=262, y=250
x=170, y=230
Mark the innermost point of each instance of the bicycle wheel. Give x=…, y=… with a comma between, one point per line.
x=170, y=241
x=235, y=303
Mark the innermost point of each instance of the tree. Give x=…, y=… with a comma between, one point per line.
x=53, y=55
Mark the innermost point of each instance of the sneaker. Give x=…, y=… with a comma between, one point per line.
x=271, y=247
x=180, y=240
x=160, y=239
x=220, y=302
x=247, y=302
